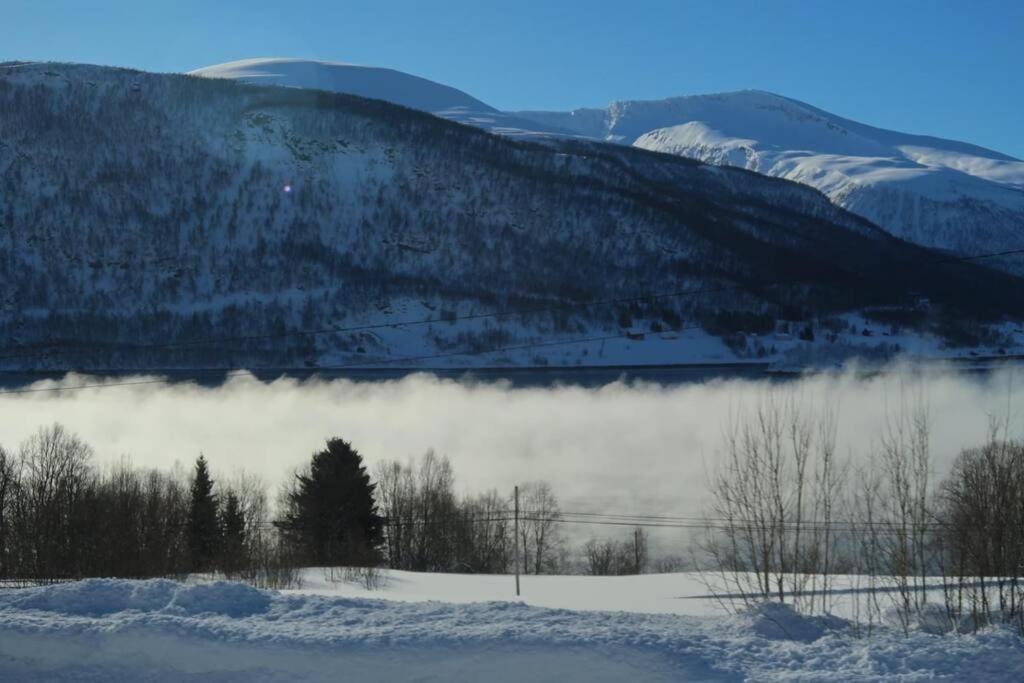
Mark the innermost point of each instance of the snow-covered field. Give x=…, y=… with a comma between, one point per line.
x=457, y=628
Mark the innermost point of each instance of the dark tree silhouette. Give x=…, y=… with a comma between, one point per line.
x=332, y=513
x=203, y=525
x=232, y=524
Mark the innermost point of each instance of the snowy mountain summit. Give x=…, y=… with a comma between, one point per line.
x=935, y=192
x=366, y=81
x=377, y=83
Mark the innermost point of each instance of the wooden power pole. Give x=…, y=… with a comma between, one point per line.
x=636, y=549
x=515, y=532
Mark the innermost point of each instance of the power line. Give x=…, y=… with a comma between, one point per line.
x=707, y=524
x=702, y=519
x=498, y=515
x=704, y=522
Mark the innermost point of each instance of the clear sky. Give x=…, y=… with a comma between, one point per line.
x=939, y=67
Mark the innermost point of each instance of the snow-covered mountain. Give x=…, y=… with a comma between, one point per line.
x=378, y=83
x=141, y=214
x=938, y=193
x=365, y=81
x=935, y=192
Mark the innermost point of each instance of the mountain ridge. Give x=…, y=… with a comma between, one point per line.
x=945, y=194
x=966, y=147
x=366, y=81
x=139, y=210
x=374, y=82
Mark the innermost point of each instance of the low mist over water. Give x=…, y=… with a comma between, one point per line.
x=631, y=448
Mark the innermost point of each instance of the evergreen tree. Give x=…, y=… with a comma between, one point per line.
x=332, y=513
x=232, y=524
x=203, y=525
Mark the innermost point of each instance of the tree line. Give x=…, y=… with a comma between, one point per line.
x=434, y=529
x=63, y=516
x=791, y=520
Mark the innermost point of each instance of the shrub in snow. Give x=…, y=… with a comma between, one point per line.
x=220, y=597
x=778, y=621
x=928, y=618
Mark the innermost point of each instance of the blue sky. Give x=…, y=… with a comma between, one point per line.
x=953, y=69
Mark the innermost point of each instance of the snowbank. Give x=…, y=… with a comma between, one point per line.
x=161, y=630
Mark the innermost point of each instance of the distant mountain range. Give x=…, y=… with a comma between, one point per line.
x=161, y=220
x=934, y=192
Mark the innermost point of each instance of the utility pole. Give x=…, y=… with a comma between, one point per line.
x=636, y=549
x=516, y=534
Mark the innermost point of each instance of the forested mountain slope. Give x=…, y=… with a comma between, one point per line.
x=934, y=192
x=142, y=212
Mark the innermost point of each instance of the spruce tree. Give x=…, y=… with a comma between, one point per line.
x=203, y=526
x=232, y=524
x=332, y=512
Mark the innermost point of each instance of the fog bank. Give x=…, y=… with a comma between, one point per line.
x=622, y=448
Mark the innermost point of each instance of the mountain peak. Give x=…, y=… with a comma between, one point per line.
x=365, y=81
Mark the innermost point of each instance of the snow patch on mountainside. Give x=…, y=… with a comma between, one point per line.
x=833, y=170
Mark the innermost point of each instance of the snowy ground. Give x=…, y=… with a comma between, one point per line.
x=393, y=338
x=451, y=628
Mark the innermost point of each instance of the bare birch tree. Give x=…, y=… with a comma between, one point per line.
x=770, y=533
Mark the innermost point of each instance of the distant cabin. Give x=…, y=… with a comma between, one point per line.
x=635, y=333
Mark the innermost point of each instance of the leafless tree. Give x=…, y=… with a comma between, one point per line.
x=981, y=518
x=486, y=540
x=770, y=532
x=8, y=494
x=54, y=472
x=396, y=491
x=542, y=543
x=430, y=528
x=902, y=520
x=610, y=557
x=435, y=511
x=601, y=557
